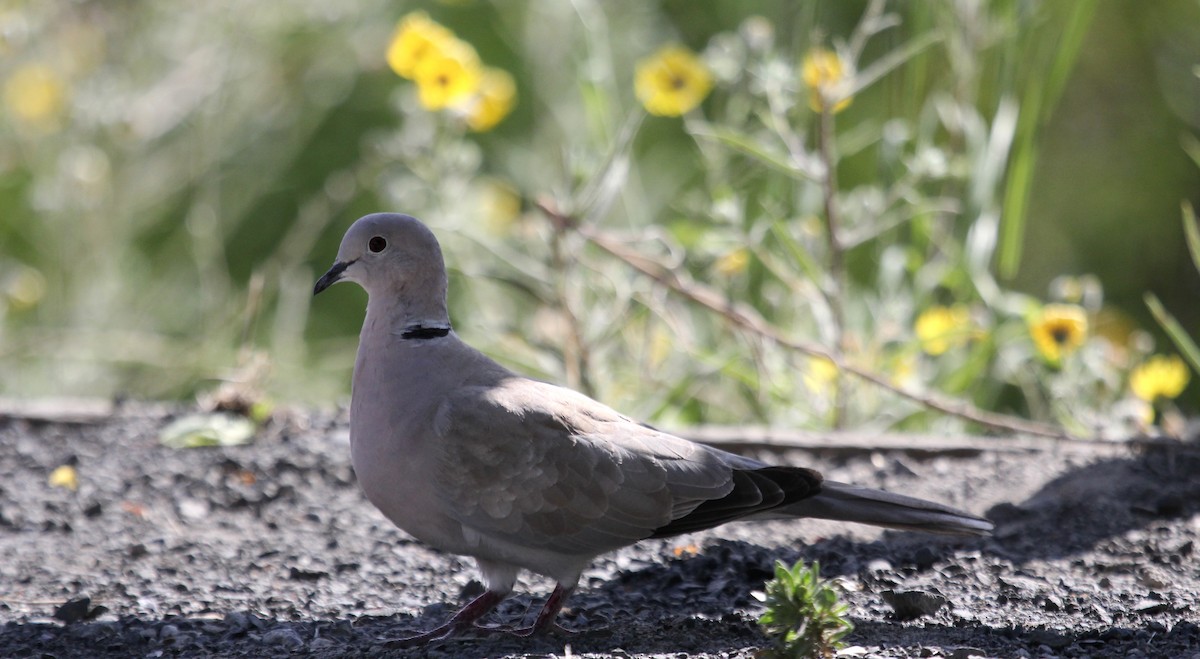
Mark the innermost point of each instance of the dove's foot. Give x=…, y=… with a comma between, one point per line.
x=554, y=629
x=445, y=631
x=545, y=622
x=461, y=621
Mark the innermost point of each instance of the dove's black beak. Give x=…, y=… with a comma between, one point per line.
x=332, y=277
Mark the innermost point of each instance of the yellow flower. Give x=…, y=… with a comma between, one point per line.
x=1059, y=330
x=903, y=369
x=941, y=328
x=37, y=96
x=417, y=39
x=24, y=288
x=450, y=77
x=825, y=74
x=733, y=262
x=672, y=81
x=1159, y=377
x=64, y=477
x=662, y=344
x=495, y=99
x=820, y=376
x=499, y=205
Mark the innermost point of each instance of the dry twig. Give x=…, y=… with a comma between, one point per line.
x=749, y=319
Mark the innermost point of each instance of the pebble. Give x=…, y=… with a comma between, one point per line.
x=879, y=565
x=193, y=509
x=74, y=610
x=237, y=621
x=284, y=636
x=913, y=604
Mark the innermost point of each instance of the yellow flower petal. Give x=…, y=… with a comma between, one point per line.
x=672, y=81
x=1159, y=377
x=64, y=476
x=825, y=74
x=449, y=78
x=495, y=99
x=499, y=206
x=733, y=262
x=417, y=39
x=36, y=95
x=1058, y=331
x=941, y=328
x=821, y=376
x=24, y=288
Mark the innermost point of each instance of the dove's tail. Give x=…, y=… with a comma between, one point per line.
x=851, y=503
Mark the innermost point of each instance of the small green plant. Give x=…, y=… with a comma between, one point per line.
x=804, y=617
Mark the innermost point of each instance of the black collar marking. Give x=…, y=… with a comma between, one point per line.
x=423, y=332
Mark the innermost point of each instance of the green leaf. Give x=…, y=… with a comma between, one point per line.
x=215, y=429
x=1179, y=336
x=1191, y=146
x=1191, y=230
x=1019, y=182
x=1039, y=97
x=747, y=146
x=891, y=61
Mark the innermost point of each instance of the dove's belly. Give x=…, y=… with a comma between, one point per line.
x=399, y=489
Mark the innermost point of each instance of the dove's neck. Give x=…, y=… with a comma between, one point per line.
x=407, y=319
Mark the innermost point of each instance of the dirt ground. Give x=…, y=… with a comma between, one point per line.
x=269, y=549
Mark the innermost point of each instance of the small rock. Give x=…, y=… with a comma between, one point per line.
x=1152, y=578
x=74, y=610
x=913, y=604
x=953, y=570
x=236, y=621
x=879, y=565
x=967, y=653
x=1101, y=615
x=924, y=558
x=323, y=644
x=193, y=509
x=1006, y=512
x=168, y=632
x=283, y=636
x=298, y=574
x=473, y=588
x=1049, y=638
x=1151, y=607
x=1170, y=505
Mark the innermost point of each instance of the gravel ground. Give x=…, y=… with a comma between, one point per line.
x=270, y=549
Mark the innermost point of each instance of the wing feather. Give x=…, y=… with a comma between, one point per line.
x=541, y=466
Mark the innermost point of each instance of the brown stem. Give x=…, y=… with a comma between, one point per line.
x=749, y=319
x=836, y=286
x=574, y=353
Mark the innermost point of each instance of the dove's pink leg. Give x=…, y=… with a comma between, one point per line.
x=464, y=619
x=549, y=613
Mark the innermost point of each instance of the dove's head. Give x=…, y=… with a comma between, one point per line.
x=395, y=258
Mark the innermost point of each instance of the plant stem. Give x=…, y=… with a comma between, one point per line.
x=836, y=284
x=749, y=319
x=574, y=351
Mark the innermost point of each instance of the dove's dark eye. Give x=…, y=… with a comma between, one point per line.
x=377, y=244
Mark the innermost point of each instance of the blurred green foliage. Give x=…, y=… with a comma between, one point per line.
x=173, y=177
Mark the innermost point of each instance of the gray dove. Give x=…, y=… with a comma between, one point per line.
x=474, y=459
